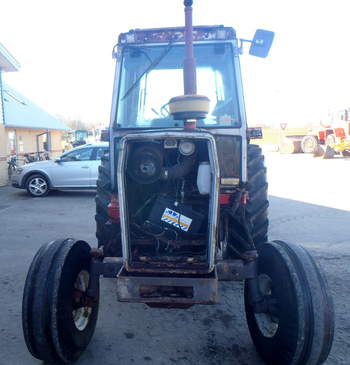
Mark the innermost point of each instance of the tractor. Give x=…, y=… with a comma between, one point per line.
x=331, y=138
x=181, y=204
x=75, y=138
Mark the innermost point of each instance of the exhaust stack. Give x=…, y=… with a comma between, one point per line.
x=189, y=107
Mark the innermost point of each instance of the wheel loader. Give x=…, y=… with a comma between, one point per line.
x=181, y=204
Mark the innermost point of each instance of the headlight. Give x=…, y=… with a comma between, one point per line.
x=19, y=170
x=186, y=148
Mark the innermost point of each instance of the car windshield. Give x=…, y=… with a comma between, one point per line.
x=152, y=75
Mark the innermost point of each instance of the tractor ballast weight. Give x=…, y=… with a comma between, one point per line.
x=181, y=203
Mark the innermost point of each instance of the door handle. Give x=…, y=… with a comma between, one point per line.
x=85, y=167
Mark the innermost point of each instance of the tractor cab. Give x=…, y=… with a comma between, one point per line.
x=151, y=68
x=150, y=72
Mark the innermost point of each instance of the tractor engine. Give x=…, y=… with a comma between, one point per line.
x=168, y=194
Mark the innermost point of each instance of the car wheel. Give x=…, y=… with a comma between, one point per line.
x=37, y=185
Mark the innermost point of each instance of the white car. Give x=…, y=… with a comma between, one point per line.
x=75, y=169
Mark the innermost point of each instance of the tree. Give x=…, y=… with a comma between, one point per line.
x=73, y=123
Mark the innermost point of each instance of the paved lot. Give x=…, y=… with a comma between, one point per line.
x=309, y=204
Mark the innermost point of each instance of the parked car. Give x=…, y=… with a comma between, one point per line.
x=75, y=169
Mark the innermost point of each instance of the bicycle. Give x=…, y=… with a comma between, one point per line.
x=12, y=165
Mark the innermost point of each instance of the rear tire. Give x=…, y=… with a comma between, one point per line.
x=299, y=326
x=107, y=233
x=258, y=203
x=256, y=209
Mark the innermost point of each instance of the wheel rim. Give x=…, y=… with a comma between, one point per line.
x=37, y=186
x=310, y=144
x=267, y=322
x=82, y=311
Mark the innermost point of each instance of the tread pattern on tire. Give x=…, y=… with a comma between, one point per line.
x=36, y=314
x=257, y=205
x=320, y=302
x=307, y=319
x=43, y=310
x=27, y=301
x=69, y=344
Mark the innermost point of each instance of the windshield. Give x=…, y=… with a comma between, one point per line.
x=151, y=76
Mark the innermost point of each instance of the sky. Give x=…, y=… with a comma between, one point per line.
x=65, y=47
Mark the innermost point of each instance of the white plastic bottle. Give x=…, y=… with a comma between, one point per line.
x=204, y=178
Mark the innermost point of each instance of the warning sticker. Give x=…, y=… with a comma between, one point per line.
x=176, y=219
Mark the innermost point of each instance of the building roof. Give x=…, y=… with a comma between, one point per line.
x=7, y=61
x=20, y=112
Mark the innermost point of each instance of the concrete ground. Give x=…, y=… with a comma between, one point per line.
x=309, y=204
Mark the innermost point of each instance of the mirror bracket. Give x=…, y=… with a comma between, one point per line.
x=241, y=41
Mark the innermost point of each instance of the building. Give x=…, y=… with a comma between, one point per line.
x=7, y=64
x=24, y=127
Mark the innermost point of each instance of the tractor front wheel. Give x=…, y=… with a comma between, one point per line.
x=297, y=324
x=58, y=315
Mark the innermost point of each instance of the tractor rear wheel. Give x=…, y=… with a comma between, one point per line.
x=256, y=209
x=297, y=326
x=257, y=205
x=107, y=233
x=58, y=316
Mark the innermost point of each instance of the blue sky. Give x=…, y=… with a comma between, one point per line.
x=64, y=48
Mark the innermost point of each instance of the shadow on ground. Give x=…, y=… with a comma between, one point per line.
x=131, y=334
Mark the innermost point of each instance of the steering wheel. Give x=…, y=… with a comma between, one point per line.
x=221, y=105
